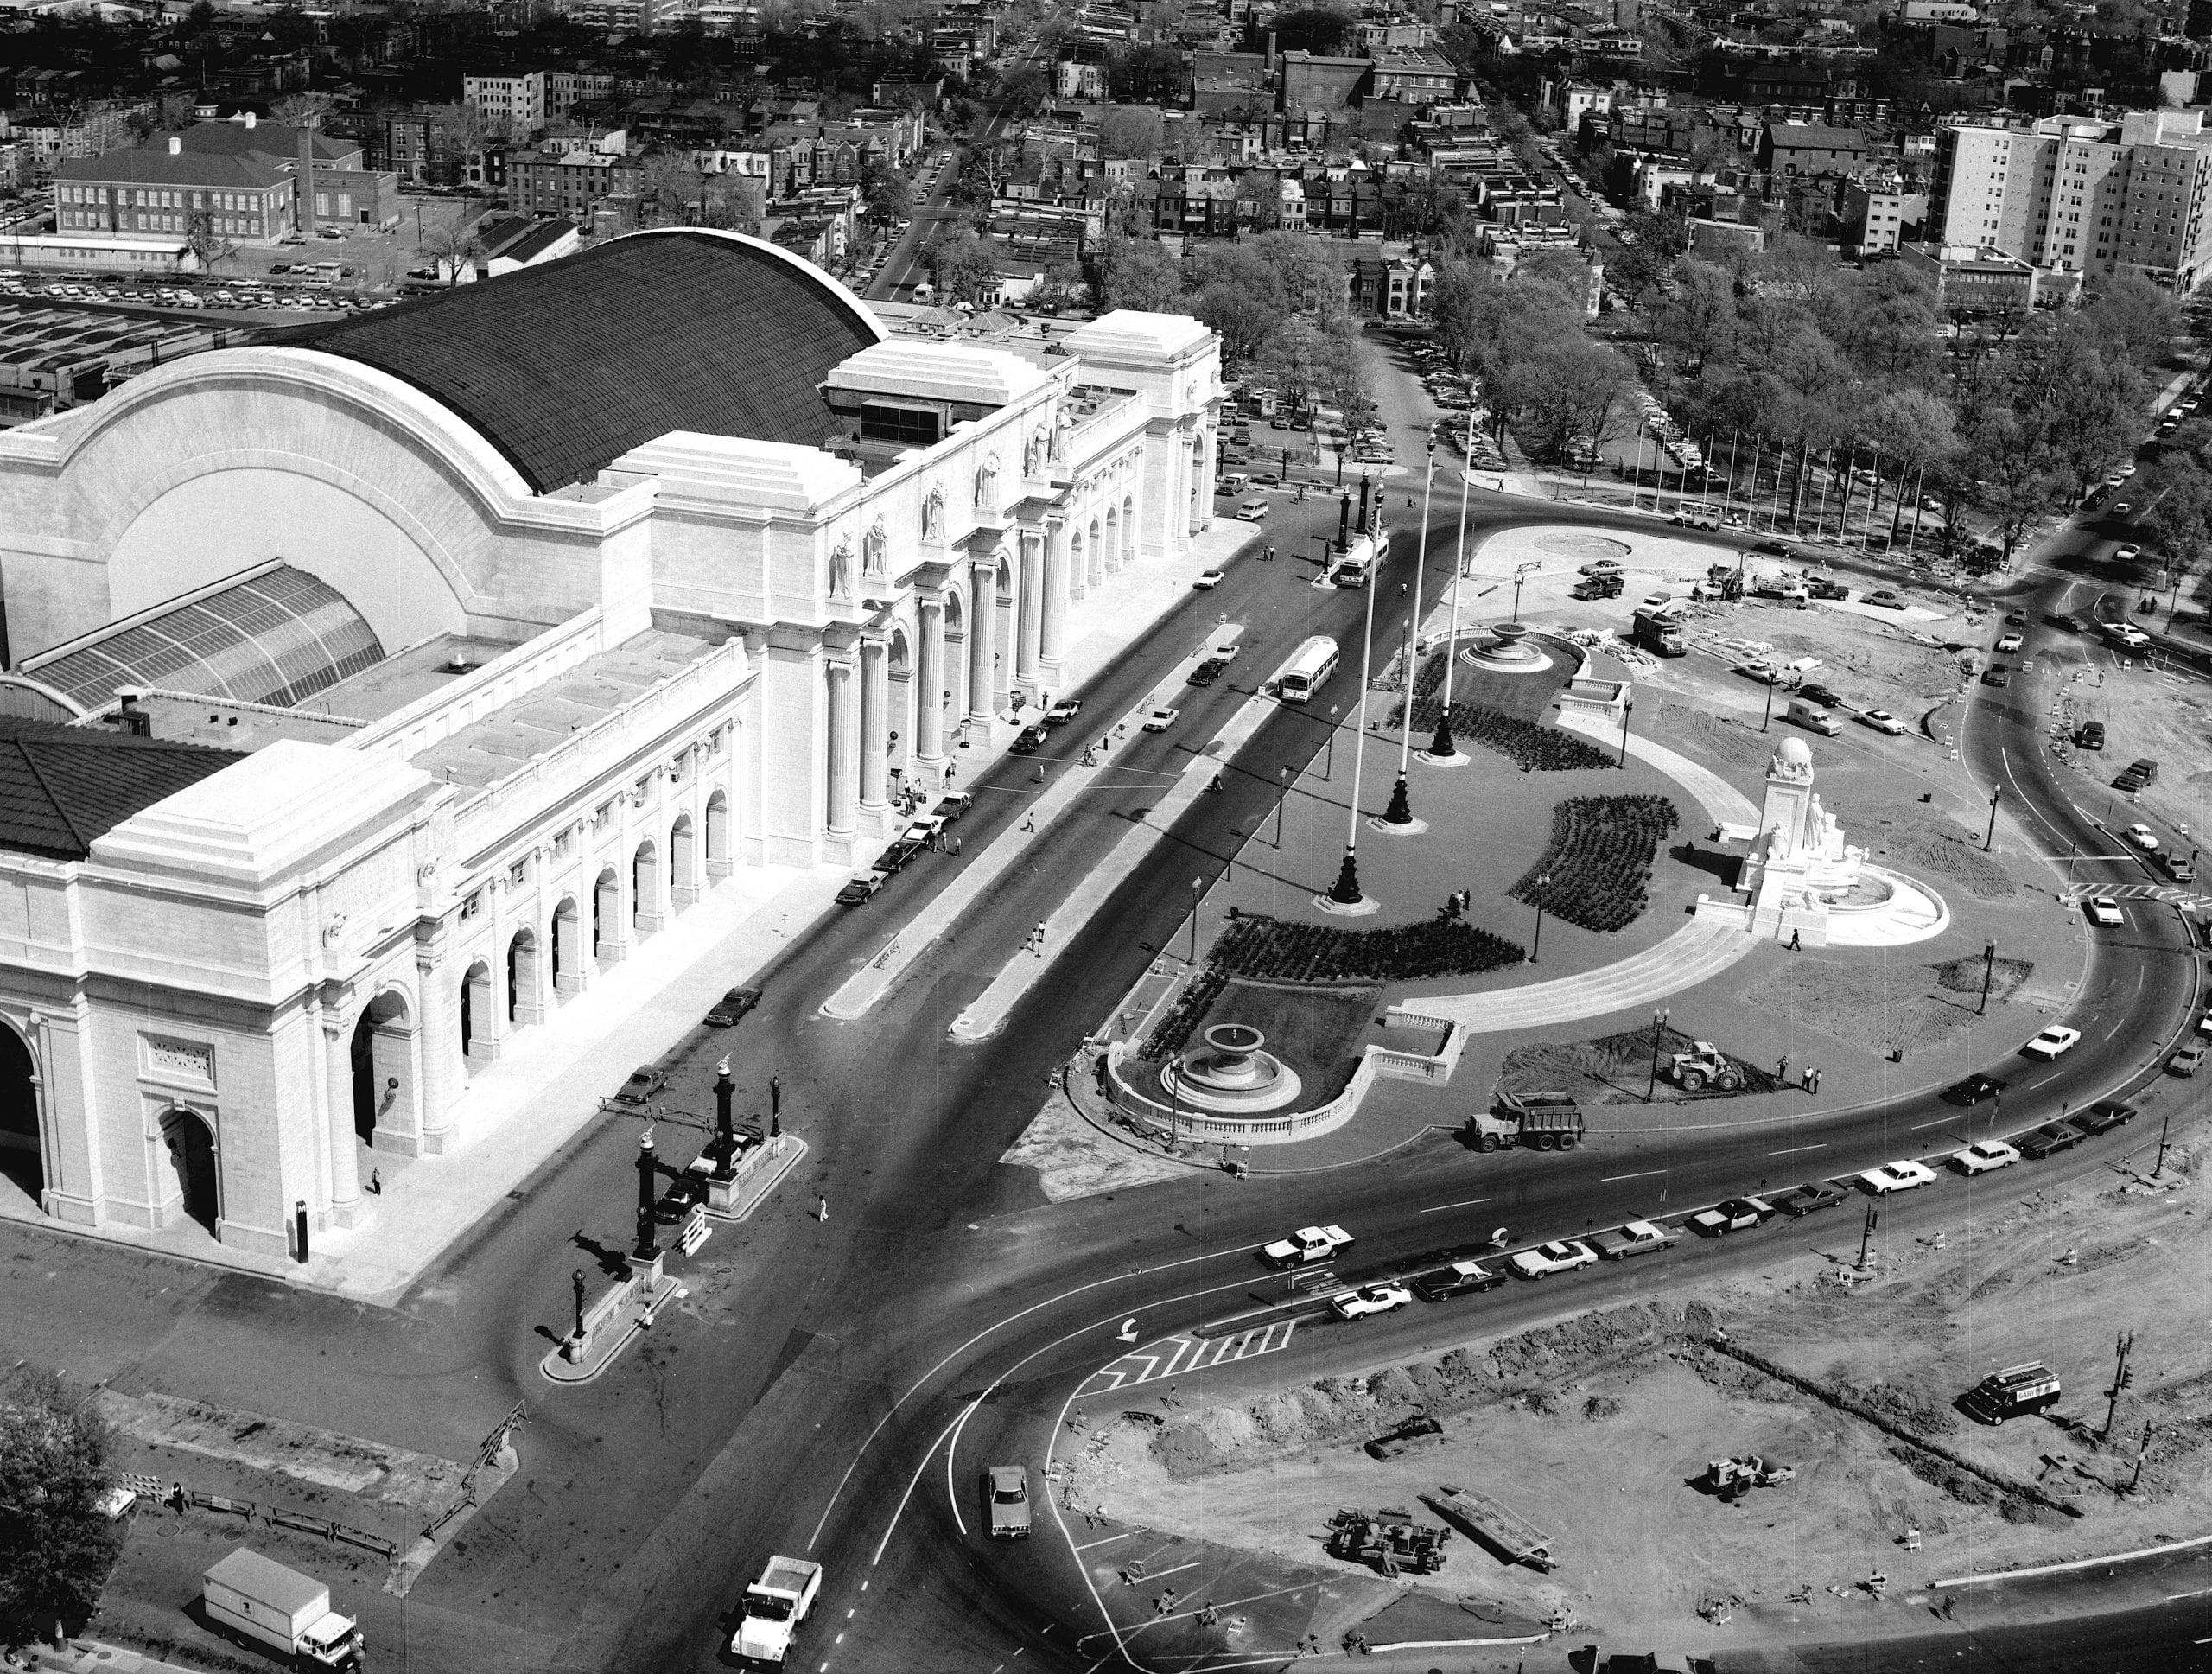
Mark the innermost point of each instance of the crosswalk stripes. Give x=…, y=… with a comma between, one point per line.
x=2077, y=894
x=1181, y=1356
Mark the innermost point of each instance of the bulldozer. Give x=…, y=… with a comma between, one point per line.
x=1732, y=1479
x=1704, y=1065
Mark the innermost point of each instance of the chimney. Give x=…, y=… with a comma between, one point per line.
x=305, y=183
x=176, y=145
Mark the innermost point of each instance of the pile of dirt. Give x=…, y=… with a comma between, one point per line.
x=1720, y=738
x=1510, y=1371
x=1914, y=838
x=1616, y=1069
x=1967, y=976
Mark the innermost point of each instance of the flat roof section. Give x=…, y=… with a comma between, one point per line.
x=390, y=686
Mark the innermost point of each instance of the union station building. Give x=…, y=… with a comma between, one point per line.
x=373, y=692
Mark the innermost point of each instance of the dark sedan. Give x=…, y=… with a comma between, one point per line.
x=2049, y=1140
x=730, y=1009
x=1459, y=1279
x=2102, y=1116
x=1973, y=1089
x=1814, y=1194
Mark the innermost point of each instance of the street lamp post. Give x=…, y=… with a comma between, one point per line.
x=1765, y=720
x=1346, y=890
x=1197, y=893
x=1521, y=573
x=1536, y=942
x=1996, y=792
x=1658, y=1026
x=1329, y=761
x=1988, y=975
x=1442, y=747
x=1627, y=704
x=1401, y=810
x=1283, y=779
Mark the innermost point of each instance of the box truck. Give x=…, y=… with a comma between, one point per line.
x=282, y=1609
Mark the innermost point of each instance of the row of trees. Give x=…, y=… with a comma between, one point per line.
x=1524, y=338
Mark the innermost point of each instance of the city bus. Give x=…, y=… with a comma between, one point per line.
x=1315, y=662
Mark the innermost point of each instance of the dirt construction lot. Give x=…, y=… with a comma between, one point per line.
x=1597, y=1429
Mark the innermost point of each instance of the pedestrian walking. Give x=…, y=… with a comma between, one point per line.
x=1816, y=1081
x=1040, y=935
x=1797, y=946
x=376, y=1182
x=1029, y=823
x=1106, y=743
x=1805, y=1078
x=822, y=1214
x=1950, y=1606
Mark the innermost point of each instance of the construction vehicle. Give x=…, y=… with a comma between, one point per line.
x=1608, y=586
x=1658, y=630
x=1390, y=1540
x=1541, y=1121
x=774, y=1606
x=264, y=1600
x=1704, y=1065
x=1421, y=1430
x=1732, y=1479
x=1504, y=1531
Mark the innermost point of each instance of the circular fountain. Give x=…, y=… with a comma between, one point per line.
x=1230, y=1072
x=1508, y=651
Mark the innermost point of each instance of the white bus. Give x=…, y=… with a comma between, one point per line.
x=1315, y=662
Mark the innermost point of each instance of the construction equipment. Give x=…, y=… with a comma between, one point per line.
x=1390, y=1540
x=1505, y=1531
x=1704, y=1065
x=1419, y=1429
x=1543, y=1121
x=1732, y=1479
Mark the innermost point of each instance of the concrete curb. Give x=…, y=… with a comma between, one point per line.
x=2074, y=1565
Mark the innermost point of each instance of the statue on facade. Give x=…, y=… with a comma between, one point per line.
x=841, y=569
x=1061, y=426
x=987, y=483
x=873, y=551
x=933, y=514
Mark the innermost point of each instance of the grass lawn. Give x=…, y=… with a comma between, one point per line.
x=1311, y=1030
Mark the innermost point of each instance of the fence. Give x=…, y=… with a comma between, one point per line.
x=182, y=1499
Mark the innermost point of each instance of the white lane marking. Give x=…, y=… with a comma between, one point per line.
x=1646, y=1174
x=1464, y=1203
x=1105, y=1540
x=927, y=1455
x=1817, y=1145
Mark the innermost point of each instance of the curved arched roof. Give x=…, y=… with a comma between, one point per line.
x=274, y=636
x=566, y=366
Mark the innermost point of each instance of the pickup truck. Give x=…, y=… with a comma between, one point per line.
x=774, y=1605
x=1307, y=1245
x=1634, y=1239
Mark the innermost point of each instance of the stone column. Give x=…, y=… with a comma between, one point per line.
x=844, y=750
x=348, y=1207
x=876, y=727
x=437, y=1050
x=1051, y=640
x=929, y=692
x=1032, y=607
x=982, y=627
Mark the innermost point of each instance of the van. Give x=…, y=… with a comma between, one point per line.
x=1233, y=482
x=1812, y=715
x=1252, y=510
x=2012, y=1393
x=925, y=292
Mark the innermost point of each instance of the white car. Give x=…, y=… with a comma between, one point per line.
x=2052, y=1041
x=1371, y=1299
x=1983, y=1155
x=2010, y=642
x=1900, y=1176
x=1161, y=720
x=2104, y=910
x=2144, y=839
x=1881, y=721
x=1208, y=580
x=1306, y=1245
x=1548, y=1258
x=1224, y=653
x=2127, y=550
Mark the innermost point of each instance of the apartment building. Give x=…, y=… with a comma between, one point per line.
x=2081, y=196
x=516, y=101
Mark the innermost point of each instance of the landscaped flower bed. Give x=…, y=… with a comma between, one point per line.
x=1595, y=870
x=1532, y=747
x=1274, y=949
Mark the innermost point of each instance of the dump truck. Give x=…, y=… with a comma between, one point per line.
x=1541, y=1121
x=282, y=1609
x=1657, y=631
x=774, y=1605
x=1704, y=1065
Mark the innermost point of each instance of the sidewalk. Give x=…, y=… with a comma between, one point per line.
x=96, y=1656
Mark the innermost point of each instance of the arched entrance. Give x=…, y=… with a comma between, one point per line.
x=568, y=947
x=191, y=1145
x=21, y=1158
x=384, y=1068
x=475, y=1008
x=718, y=827
x=683, y=862
x=1002, y=659
x=955, y=659
x=522, y=978
x=606, y=914
x=1098, y=556
x=1198, y=482
x=644, y=889
x=1078, y=568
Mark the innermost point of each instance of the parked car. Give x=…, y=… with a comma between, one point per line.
x=1983, y=1156
x=2143, y=838
x=1802, y=1200
x=1546, y=1259
x=1207, y=672
x=645, y=1081
x=1883, y=598
x=2186, y=1062
x=1765, y=673
x=1161, y=720
x=1207, y=580
x=2091, y=736
x=1973, y=1089
x=2049, y=1140
x=2179, y=866
x=1063, y=710
x=1028, y=740
x=1820, y=695
x=2104, y=1116
x=1996, y=675
x=860, y=886
x=2010, y=642
x=1637, y=1237
x=1378, y=1298
x=1881, y=721
x=1900, y=1176
x=2103, y=910
x=951, y=805
x=1460, y=1278
x=2049, y=1042
x=730, y=1009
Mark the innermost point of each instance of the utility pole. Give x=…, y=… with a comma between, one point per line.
x=1996, y=793
x=1988, y=970
x=2142, y=1452
x=1658, y=1025
x=1537, y=944
x=1769, y=715
x=2122, y=1377
x=1401, y=810
x=1442, y=748
x=1197, y=894
x=1866, y=1236
x=1346, y=890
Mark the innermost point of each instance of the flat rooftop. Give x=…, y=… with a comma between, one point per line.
x=509, y=738
x=389, y=686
